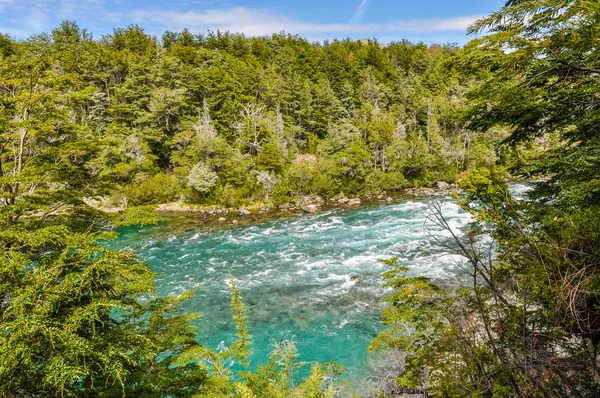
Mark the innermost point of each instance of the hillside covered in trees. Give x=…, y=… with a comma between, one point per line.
x=221, y=119
x=229, y=120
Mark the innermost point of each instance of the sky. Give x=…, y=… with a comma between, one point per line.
x=430, y=21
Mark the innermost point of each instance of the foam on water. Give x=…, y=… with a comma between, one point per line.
x=313, y=277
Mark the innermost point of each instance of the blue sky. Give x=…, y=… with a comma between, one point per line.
x=388, y=20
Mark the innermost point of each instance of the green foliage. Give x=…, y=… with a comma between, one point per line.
x=73, y=320
x=546, y=86
x=277, y=378
x=529, y=324
x=113, y=111
x=201, y=178
x=137, y=215
x=416, y=312
x=526, y=321
x=159, y=188
x=531, y=315
x=241, y=347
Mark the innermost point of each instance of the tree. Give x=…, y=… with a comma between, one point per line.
x=72, y=319
x=268, y=181
x=250, y=129
x=547, y=84
x=529, y=325
x=501, y=335
x=44, y=149
x=202, y=178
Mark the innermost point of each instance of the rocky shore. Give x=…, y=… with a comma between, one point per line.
x=441, y=188
x=306, y=204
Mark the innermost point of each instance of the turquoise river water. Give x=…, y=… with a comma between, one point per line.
x=295, y=274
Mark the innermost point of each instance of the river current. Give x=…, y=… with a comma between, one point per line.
x=314, y=278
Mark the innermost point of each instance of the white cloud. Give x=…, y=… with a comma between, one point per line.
x=25, y=17
x=258, y=21
x=35, y=21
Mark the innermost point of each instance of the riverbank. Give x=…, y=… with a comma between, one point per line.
x=263, y=211
x=306, y=205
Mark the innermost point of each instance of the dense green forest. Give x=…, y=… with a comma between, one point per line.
x=223, y=119
x=232, y=121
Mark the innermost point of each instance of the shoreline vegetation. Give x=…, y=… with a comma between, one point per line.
x=308, y=204
x=224, y=121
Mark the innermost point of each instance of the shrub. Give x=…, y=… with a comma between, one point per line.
x=391, y=181
x=160, y=188
x=202, y=178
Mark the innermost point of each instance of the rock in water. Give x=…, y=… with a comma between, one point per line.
x=311, y=209
x=354, y=202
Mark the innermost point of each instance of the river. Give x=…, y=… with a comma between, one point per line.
x=296, y=274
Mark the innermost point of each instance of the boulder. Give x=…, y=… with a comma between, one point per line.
x=442, y=185
x=343, y=200
x=354, y=202
x=310, y=209
x=421, y=191
x=389, y=200
x=235, y=222
x=244, y=212
x=222, y=219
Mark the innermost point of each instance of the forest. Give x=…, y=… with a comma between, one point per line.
x=231, y=121
x=221, y=120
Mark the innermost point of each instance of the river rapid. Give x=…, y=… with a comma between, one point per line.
x=314, y=278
